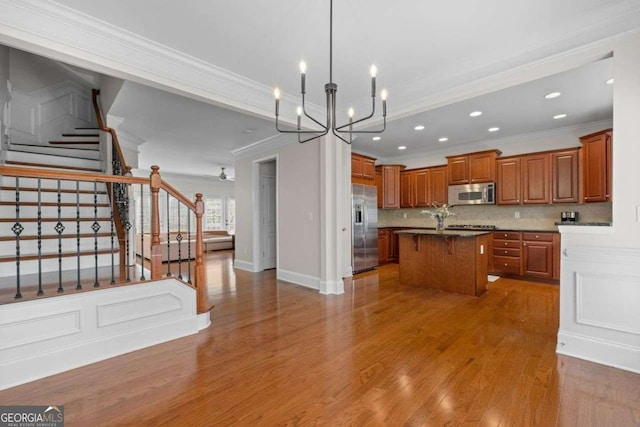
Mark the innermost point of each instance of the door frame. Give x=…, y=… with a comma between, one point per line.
x=257, y=226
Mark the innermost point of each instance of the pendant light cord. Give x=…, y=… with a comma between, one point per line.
x=331, y=41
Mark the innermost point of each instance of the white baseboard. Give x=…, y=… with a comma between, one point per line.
x=243, y=265
x=204, y=320
x=599, y=351
x=335, y=287
x=299, y=279
x=52, y=335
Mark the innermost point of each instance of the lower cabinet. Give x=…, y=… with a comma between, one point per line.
x=526, y=254
x=387, y=245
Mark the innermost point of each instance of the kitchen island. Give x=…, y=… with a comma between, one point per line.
x=449, y=260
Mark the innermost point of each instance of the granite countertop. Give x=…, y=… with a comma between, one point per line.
x=586, y=224
x=445, y=233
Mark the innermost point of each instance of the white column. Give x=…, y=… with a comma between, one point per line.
x=332, y=227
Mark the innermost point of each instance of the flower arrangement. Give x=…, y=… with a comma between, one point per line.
x=439, y=212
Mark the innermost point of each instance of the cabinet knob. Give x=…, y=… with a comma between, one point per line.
x=505, y=243
x=537, y=237
x=506, y=252
x=505, y=264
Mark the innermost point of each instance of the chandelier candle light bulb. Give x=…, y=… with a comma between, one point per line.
x=303, y=73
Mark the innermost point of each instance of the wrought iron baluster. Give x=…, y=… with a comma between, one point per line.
x=168, y=237
x=179, y=239
x=127, y=227
x=95, y=227
x=112, y=206
x=59, y=229
x=78, y=284
x=17, y=230
x=142, y=230
x=189, y=244
x=40, y=291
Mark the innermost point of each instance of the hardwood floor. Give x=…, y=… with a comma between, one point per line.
x=381, y=354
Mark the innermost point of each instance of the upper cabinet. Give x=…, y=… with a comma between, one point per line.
x=524, y=180
x=565, y=176
x=390, y=189
x=363, y=169
x=472, y=168
x=596, y=166
x=423, y=187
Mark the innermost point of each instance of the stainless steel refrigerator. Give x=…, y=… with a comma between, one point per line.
x=364, y=213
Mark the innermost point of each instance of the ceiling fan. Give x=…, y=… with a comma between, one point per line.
x=224, y=177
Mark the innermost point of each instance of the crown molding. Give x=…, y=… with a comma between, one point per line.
x=450, y=150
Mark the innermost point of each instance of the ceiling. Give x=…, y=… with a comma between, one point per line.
x=420, y=48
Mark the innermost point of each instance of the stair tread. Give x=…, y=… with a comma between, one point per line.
x=49, y=166
x=54, y=204
x=55, y=219
x=46, y=146
x=51, y=190
x=12, y=150
x=53, y=236
x=74, y=142
x=81, y=135
x=50, y=255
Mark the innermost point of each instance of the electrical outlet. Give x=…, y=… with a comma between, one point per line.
x=516, y=214
x=404, y=215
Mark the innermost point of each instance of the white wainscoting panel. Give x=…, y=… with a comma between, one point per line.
x=46, y=336
x=600, y=306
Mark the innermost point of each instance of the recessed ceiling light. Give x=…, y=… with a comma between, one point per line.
x=494, y=129
x=376, y=138
x=560, y=116
x=552, y=95
x=475, y=113
x=419, y=127
x=610, y=81
x=402, y=147
x=443, y=139
x=247, y=131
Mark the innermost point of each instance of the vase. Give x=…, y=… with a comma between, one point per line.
x=439, y=223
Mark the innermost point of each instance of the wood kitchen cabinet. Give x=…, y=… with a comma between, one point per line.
x=533, y=255
x=472, y=168
x=383, y=245
x=423, y=187
x=524, y=179
x=597, y=166
x=362, y=169
x=565, y=176
x=378, y=182
x=508, y=181
x=390, y=189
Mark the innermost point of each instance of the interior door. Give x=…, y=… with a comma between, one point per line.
x=268, y=221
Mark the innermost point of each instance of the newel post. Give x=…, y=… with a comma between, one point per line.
x=156, y=248
x=200, y=273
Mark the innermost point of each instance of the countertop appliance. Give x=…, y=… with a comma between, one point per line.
x=473, y=194
x=364, y=214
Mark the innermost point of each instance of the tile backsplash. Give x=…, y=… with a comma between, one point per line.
x=532, y=217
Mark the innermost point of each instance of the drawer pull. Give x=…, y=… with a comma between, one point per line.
x=505, y=243
x=506, y=252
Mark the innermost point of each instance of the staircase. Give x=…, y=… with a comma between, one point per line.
x=65, y=227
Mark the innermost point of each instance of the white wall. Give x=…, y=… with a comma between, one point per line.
x=600, y=283
x=298, y=207
x=109, y=89
x=4, y=91
x=28, y=72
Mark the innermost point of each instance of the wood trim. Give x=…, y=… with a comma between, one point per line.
x=44, y=165
x=55, y=255
x=51, y=190
x=68, y=176
x=54, y=204
x=495, y=150
x=600, y=132
x=103, y=127
x=52, y=236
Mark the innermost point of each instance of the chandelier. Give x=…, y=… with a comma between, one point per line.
x=331, y=89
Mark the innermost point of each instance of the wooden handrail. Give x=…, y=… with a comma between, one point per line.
x=103, y=127
x=178, y=195
x=69, y=176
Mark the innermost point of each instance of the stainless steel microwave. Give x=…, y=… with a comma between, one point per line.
x=473, y=194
